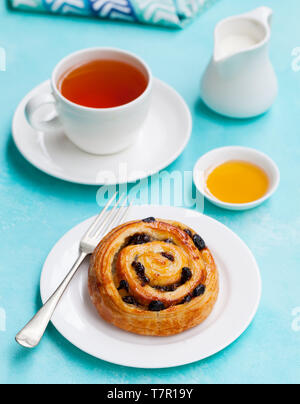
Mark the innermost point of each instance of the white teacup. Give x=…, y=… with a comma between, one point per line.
x=94, y=130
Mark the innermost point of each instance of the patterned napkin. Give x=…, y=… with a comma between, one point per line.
x=171, y=13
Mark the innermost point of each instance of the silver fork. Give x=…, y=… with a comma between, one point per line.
x=32, y=333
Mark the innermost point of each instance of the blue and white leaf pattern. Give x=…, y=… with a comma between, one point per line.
x=67, y=6
x=115, y=9
x=27, y=4
x=159, y=12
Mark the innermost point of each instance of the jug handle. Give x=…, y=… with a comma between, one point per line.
x=262, y=14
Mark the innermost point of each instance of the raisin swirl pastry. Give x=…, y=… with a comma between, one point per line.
x=153, y=277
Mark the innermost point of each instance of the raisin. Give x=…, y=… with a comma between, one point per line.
x=139, y=268
x=145, y=280
x=186, y=274
x=168, y=256
x=199, y=242
x=149, y=220
x=168, y=288
x=187, y=299
x=200, y=289
x=168, y=240
x=188, y=232
x=123, y=285
x=156, y=305
x=138, y=238
x=140, y=271
x=129, y=300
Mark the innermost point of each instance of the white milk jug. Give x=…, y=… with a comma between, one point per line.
x=240, y=81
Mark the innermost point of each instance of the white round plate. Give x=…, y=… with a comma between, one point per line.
x=164, y=136
x=77, y=319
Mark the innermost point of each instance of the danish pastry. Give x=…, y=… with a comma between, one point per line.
x=153, y=277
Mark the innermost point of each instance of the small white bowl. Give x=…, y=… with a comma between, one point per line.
x=215, y=157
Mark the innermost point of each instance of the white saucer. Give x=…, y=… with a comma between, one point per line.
x=163, y=138
x=77, y=319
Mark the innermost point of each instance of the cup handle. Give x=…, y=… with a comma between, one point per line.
x=51, y=122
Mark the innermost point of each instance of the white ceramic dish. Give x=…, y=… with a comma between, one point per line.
x=219, y=156
x=78, y=321
x=164, y=136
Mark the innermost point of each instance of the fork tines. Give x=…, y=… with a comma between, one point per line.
x=104, y=223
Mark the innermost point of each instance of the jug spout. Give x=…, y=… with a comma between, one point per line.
x=262, y=14
x=242, y=33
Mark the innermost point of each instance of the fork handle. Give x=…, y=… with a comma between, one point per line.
x=32, y=333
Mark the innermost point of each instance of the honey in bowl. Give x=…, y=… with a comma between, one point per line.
x=103, y=83
x=237, y=182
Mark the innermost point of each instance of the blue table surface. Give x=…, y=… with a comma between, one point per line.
x=36, y=210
